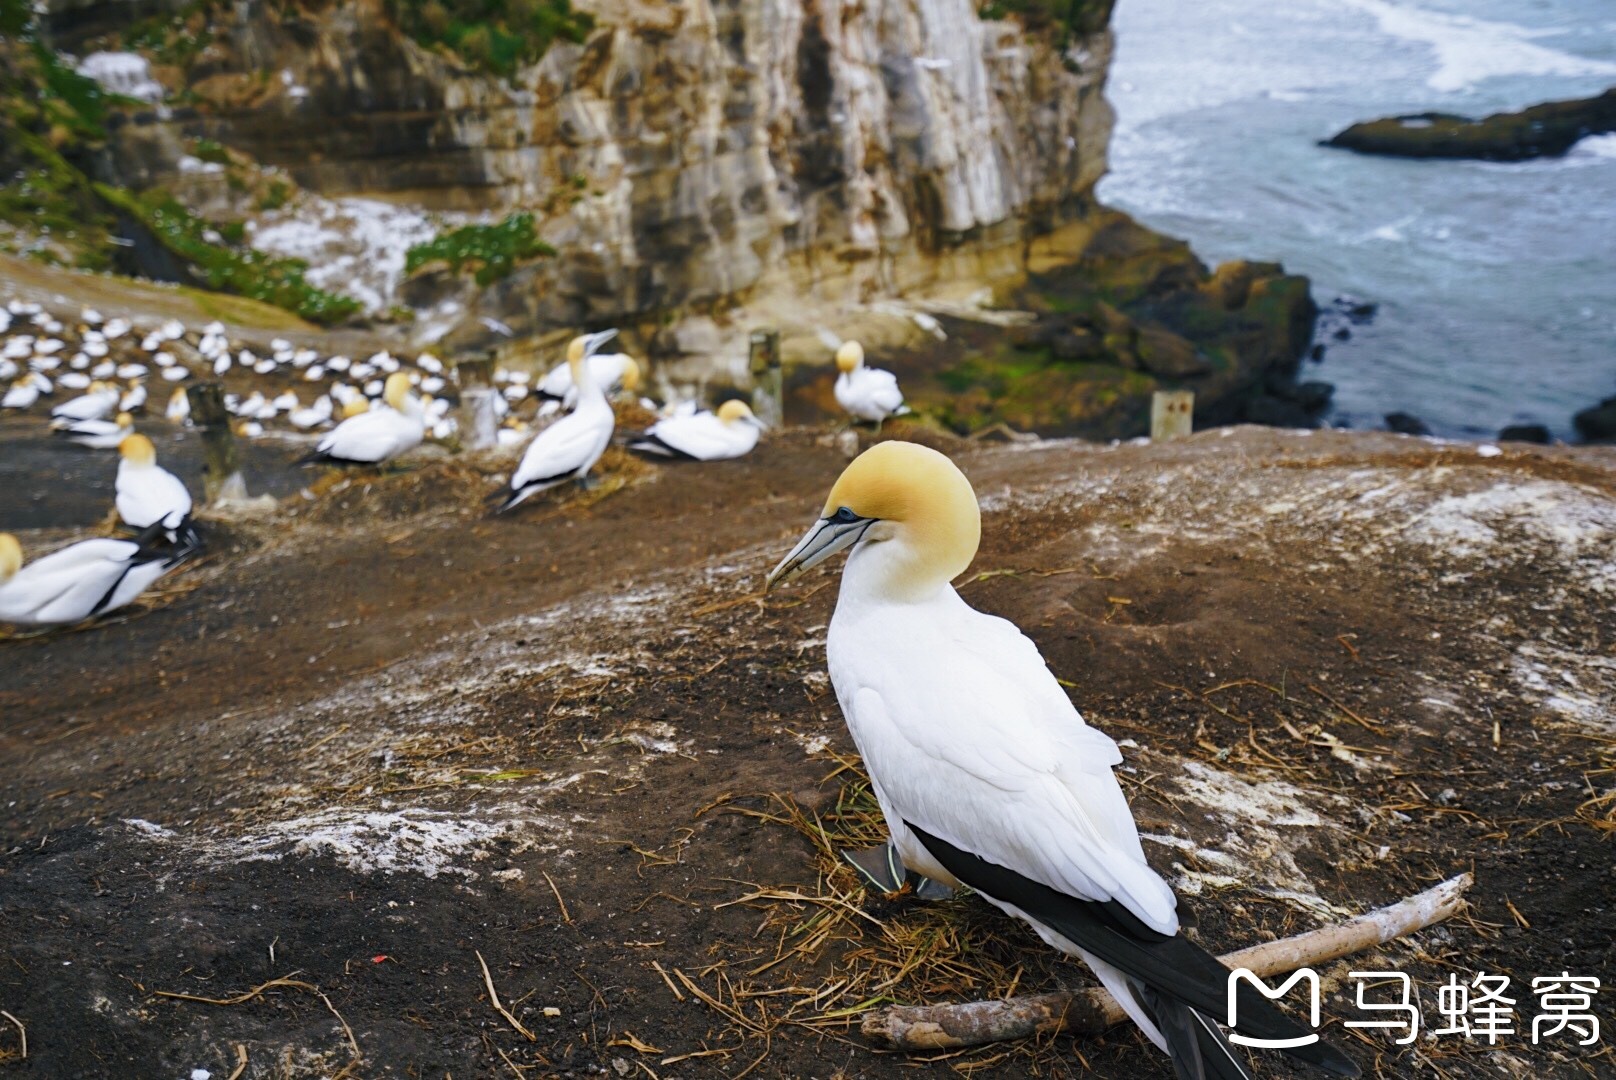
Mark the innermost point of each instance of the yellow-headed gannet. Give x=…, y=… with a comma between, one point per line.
x=179, y=406
x=703, y=436
x=609, y=371
x=568, y=448
x=147, y=493
x=987, y=775
x=25, y=391
x=376, y=436
x=89, y=578
x=866, y=393
x=95, y=434
x=99, y=400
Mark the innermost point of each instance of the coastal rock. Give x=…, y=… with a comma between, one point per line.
x=1547, y=130
x=1598, y=423
x=1406, y=424
x=1527, y=433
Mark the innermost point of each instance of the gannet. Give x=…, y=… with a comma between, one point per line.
x=95, y=434
x=376, y=436
x=99, y=400
x=703, y=436
x=134, y=399
x=25, y=392
x=148, y=494
x=179, y=406
x=568, y=448
x=88, y=578
x=866, y=393
x=609, y=371
x=986, y=774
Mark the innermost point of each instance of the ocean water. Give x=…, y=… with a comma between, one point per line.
x=1496, y=284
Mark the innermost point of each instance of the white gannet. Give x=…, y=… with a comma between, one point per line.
x=986, y=774
x=134, y=399
x=609, y=371
x=313, y=416
x=568, y=448
x=703, y=436
x=866, y=393
x=95, y=434
x=98, y=401
x=25, y=392
x=179, y=406
x=147, y=493
x=375, y=436
x=88, y=578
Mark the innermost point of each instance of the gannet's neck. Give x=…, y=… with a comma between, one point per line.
x=894, y=571
x=590, y=394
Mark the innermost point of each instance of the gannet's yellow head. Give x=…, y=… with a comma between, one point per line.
x=631, y=374
x=584, y=346
x=177, y=396
x=354, y=407
x=396, y=390
x=125, y=420
x=138, y=450
x=10, y=557
x=849, y=356
x=899, y=494
x=735, y=410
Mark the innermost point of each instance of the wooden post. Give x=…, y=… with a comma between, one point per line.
x=221, y=475
x=479, y=423
x=1172, y=414
x=768, y=384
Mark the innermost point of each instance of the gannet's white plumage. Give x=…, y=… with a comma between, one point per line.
x=985, y=772
x=89, y=578
x=608, y=370
x=568, y=448
x=703, y=436
x=376, y=436
x=866, y=393
x=93, y=405
x=95, y=434
x=147, y=493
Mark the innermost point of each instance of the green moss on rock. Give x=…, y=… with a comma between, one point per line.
x=492, y=251
x=497, y=36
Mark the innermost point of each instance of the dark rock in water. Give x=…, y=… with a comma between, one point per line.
x=1547, y=130
x=1532, y=433
x=1316, y=354
x=1313, y=395
x=1271, y=411
x=1342, y=334
x=1597, y=424
x=1406, y=424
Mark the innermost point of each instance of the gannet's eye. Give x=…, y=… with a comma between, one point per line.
x=844, y=516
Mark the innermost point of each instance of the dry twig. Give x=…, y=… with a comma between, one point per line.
x=932, y=1027
x=291, y=983
x=499, y=1007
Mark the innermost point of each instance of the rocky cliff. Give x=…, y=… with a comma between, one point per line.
x=685, y=171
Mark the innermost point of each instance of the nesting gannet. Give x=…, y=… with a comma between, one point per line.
x=95, y=434
x=313, y=416
x=96, y=402
x=25, y=392
x=81, y=580
x=147, y=493
x=609, y=371
x=179, y=406
x=866, y=393
x=568, y=448
x=134, y=399
x=376, y=436
x=986, y=774
x=703, y=436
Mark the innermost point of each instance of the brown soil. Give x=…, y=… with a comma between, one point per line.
x=380, y=734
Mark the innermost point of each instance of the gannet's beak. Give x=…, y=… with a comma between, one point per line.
x=828, y=536
x=593, y=342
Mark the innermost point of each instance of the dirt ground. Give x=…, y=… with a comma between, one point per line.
x=379, y=735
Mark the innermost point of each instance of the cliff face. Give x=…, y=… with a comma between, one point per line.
x=682, y=153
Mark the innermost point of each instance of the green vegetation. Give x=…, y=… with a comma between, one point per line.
x=173, y=37
x=227, y=268
x=494, y=250
x=49, y=115
x=492, y=35
x=1069, y=17
x=210, y=151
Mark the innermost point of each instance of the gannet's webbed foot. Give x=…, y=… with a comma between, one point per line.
x=588, y=482
x=884, y=873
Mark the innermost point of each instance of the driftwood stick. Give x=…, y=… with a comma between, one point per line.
x=1090, y=1012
